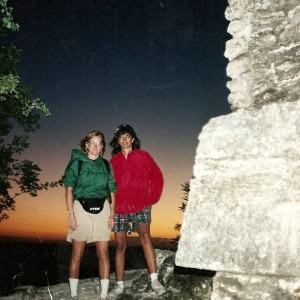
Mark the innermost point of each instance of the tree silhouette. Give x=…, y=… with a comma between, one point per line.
x=17, y=110
x=186, y=190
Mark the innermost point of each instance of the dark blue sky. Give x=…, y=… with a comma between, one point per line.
x=157, y=65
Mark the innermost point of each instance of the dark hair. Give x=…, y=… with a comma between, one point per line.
x=89, y=136
x=122, y=129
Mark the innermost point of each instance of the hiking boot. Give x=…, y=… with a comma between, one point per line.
x=115, y=292
x=157, y=287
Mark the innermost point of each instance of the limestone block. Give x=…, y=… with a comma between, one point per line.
x=238, y=66
x=240, y=28
x=285, y=5
x=243, y=213
x=235, y=86
x=260, y=5
x=236, y=10
x=264, y=38
x=271, y=5
x=235, y=48
x=294, y=16
x=267, y=19
x=242, y=287
x=267, y=33
x=291, y=28
x=241, y=88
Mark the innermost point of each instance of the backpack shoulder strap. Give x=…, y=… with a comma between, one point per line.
x=79, y=167
x=107, y=187
x=80, y=162
x=107, y=165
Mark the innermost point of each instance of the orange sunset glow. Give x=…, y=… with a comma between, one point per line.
x=45, y=217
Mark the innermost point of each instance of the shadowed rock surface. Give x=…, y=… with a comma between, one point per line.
x=181, y=284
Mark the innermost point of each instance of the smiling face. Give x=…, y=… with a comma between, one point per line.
x=94, y=147
x=125, y=141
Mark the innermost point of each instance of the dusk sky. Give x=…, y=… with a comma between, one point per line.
x=156, y=65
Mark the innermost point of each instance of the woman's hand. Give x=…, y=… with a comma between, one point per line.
x=111, y=221
x=72, y=222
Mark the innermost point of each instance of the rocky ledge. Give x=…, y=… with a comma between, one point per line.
x=181, y=284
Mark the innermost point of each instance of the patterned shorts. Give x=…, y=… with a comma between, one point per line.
x=122, y=222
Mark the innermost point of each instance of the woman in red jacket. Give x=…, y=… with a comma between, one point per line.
x=139, y=186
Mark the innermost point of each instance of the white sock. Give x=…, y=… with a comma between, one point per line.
x=104, y=287
x=73, y=286
x=153, y=276
x=120, y=284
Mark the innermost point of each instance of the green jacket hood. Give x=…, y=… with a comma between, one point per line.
x=78, y=154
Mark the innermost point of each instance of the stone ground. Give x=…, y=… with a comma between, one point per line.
x=137, y=285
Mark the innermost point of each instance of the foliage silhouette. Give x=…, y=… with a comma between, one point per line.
x=17, y=111
x=186, y=190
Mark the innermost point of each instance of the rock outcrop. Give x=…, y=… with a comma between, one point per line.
x=181, y=284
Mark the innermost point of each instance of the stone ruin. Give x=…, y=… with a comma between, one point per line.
x=243, y=215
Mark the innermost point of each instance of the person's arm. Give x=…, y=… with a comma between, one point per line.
x=112, y=189
x=72, y=222
x=156, y=181
x=111, y=219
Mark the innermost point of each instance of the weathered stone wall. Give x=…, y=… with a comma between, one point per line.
x=264, y=52
x=243, y=214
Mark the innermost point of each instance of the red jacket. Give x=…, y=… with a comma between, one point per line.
x=139, y=181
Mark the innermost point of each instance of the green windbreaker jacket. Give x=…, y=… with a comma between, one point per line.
x=92, y=179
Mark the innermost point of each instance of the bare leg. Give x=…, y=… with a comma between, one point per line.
x=104, y=266
x=146, y=242
x=77, y=253
x=103, y=259
x=120, y=239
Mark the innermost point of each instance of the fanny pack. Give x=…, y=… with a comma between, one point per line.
x=92, y=205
